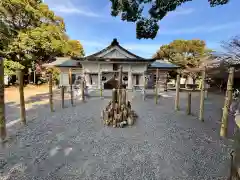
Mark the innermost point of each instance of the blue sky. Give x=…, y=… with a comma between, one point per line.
x=90, y=22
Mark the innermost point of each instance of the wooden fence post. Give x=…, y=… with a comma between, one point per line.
x=177, y=93
x=62, y=95
x=144, y=86
x=51, y=92
x=21, y=94
x=71, y=86
x=227, y=103
x=3, y=132
x=202, y=96
x=156, y=87
x=101, y=88
x=189, y=102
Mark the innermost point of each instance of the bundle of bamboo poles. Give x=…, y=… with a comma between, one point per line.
x=118, y=112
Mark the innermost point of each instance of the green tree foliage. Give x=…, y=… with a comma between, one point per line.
x=185, y=53
x=31, y=32
x=11, y=66
x=75, y=48
x=147, y=27
x=55, y=72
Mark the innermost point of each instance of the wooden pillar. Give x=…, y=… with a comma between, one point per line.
x=51, y=92
x=165, y=85
x=71, y=86
x=3, y=132
x=101, y=88
x=62, y=95
x=130, y=78
x=144, y=85
x=189, y=103
x=156, y=86
x=21, y=94
x=227, y=103
x=202, y=96
x=177, y=93
x=100, y=79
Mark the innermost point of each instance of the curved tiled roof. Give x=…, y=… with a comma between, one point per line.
x=64, y=62
x=161, y=64
x=114, y=43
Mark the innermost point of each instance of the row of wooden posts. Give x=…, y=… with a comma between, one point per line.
x=227, y=103
x=20, y=75
x=224, y=124
x=63, y=90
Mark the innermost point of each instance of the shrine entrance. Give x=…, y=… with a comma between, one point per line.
x=112, y=83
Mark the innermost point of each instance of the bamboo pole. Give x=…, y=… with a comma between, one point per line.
x=120, y=86
x=156, y=87
x=227, y=103
x=177, y=93
x=189, y=102
x=202, y=96
x=51, y=92
x=62, y=95
x=21, y=94
x=114, y=96
x=71, y=86
x=124, y=96
x=120, y=78
x=3, y=132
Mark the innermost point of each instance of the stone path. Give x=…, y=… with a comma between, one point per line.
x=73, y=144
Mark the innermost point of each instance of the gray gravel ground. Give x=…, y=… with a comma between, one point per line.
x=73, y=144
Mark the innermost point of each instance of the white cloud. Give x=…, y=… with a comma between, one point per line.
x=200, y=29
x=67, y=7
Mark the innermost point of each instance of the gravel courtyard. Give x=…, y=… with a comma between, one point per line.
x=163, y=144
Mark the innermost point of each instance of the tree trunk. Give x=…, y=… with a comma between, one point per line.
x=21, y=93
x=227, y=103
x=3, y=132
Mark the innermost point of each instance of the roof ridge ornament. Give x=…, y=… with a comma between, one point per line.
x=115, y=42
